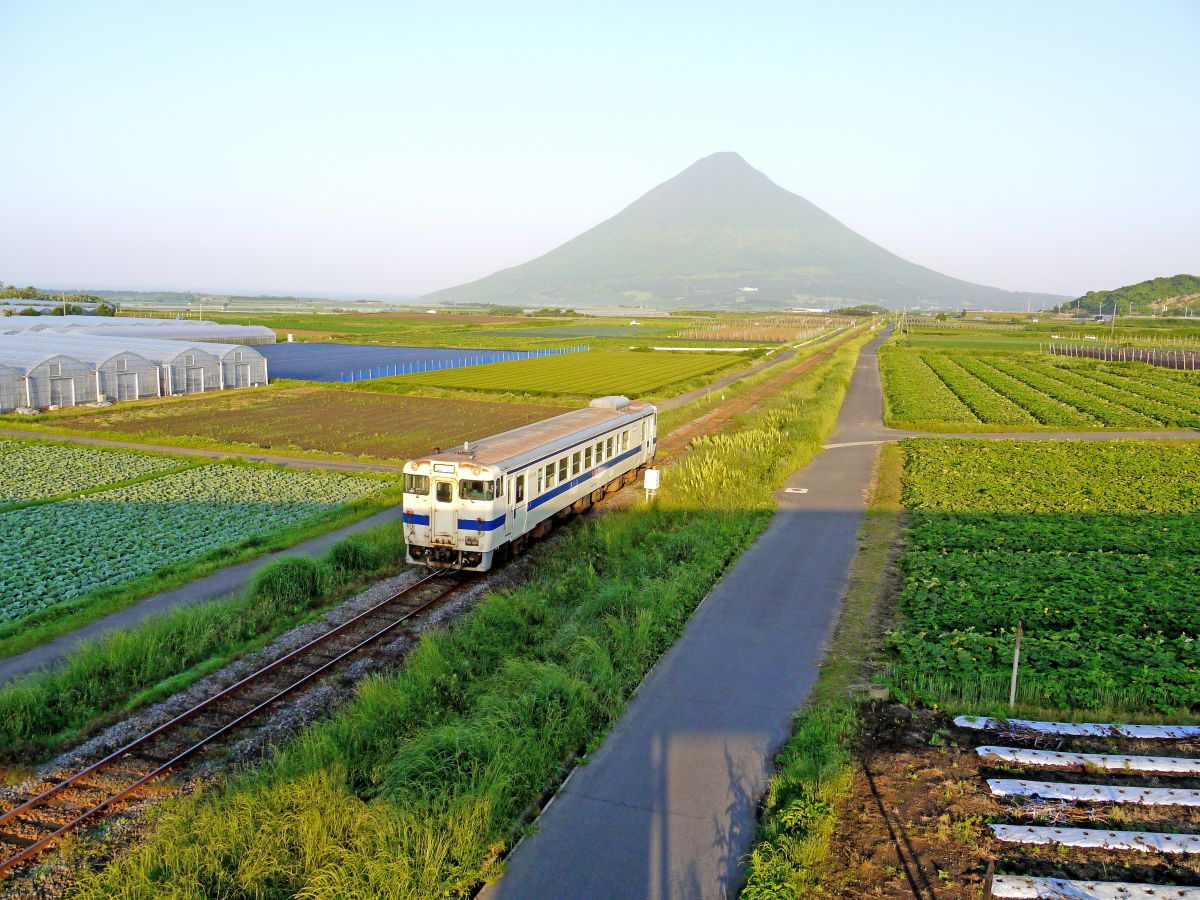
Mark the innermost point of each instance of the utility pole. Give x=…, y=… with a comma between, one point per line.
x=1113, y=327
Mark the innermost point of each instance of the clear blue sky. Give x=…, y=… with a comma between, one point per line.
x=388, y=148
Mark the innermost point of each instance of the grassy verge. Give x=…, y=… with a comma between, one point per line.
x=815, y=769
x=114, y=674
x=416, y=787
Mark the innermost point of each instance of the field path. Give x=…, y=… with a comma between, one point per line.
x=292, y=462
x=667, y=806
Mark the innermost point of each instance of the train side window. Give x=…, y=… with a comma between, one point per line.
x=550, y=475
x=587, y=458
x=416, y=484
x=562, y=469
x=519, y=496
x=599, y=451
x=609, y=448
x=540, y=486
x=625, y=439
x=575, y=463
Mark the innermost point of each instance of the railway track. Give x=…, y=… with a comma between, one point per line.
x=104, y=786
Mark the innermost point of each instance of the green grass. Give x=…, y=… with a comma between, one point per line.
x=961, y=391
x=111, y=675
x=416, y=787
x=1091, y=546
x=597, y=372
x=814, y=772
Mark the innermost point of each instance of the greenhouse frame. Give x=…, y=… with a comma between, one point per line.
x=50, y=368
x=51, y=378
x=12, y=389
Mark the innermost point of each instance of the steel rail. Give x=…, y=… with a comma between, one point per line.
x=41, y=799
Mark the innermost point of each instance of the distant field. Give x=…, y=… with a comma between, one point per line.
x=584, y=330
x=964, y=391
x=328, y=420
x=1092, y=547
x=595, y=373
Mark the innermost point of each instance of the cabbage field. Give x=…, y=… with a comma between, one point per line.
x=55, y=552
x=37, y=471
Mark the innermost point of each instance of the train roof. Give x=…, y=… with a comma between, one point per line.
x=527, y=443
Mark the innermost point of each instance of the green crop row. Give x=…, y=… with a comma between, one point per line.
x=1093, y=548
x=985, y=402
x=915, y=393
x=1016, y=390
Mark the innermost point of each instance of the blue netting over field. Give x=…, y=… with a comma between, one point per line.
x=356, y=362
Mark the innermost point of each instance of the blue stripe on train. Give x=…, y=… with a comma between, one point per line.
x=479, y=525
x=415, y=519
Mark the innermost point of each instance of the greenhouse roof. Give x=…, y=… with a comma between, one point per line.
x=89, y=347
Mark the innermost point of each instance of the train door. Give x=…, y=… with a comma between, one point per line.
x=520, y=507
x=443, y=516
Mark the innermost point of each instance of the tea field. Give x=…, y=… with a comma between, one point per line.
x=56, y=552
x=581, y=374
x=1024, y=391
x=1093, y=547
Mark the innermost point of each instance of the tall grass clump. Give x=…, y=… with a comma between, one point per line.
x=417, y=786
x=107, y=676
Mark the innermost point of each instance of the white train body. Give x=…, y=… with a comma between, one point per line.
x=463, y=507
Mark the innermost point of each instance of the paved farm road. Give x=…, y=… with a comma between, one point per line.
x=666, y=807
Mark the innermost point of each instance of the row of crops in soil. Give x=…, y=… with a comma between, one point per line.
x=963, y=391
x=597, y=372
x=131, y=514
x=1094, y=548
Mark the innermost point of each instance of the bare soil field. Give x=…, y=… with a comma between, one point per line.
x=357, y=423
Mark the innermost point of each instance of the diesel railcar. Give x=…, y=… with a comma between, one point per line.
x=465, y=508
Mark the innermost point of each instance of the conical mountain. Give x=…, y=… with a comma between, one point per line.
x=702, y=238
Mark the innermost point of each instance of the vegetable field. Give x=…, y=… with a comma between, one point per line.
x=39, y=471
x=594, y=373
x=964, y=391
x=366, y=423
x=59, y=551
x=1095, y=548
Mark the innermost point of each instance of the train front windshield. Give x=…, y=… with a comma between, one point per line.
x=477, y=490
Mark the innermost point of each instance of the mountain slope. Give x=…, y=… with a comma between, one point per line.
x=1157, y=296
x=720, y=226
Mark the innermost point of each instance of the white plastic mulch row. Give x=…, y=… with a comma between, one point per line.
x=1080, y=729
x=1098, y=839
x=1022, y=887
x=1093, y=793
x=1109, y=762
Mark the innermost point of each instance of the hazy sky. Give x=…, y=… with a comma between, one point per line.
x=390, y=147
